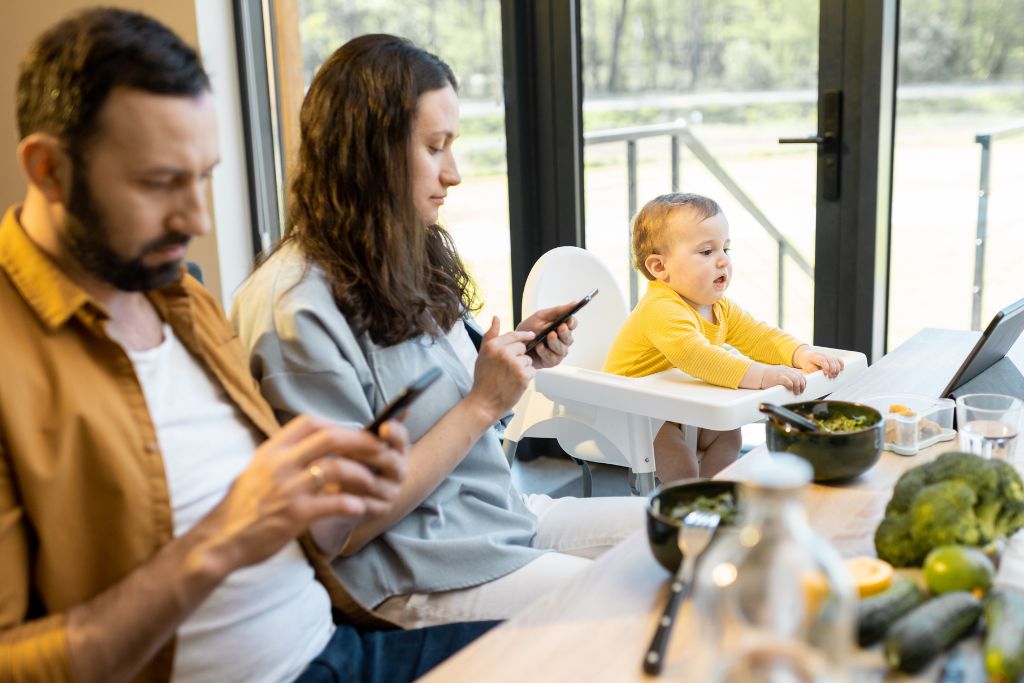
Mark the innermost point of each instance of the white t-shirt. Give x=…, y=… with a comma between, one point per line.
x=265, y=622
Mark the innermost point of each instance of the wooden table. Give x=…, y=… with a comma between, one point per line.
x=598, y=628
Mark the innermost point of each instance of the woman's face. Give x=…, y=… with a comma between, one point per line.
x=431, y=163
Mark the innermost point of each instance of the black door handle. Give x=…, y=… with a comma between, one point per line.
x=810, y=139
x=829, y=141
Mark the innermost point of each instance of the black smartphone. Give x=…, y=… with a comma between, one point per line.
x=404, y=399
x=543, y=334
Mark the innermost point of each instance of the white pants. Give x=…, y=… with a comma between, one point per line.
x=577, y=529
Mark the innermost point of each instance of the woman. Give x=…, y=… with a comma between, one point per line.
x=364, y=294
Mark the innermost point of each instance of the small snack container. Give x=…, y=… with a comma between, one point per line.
x=914, y=422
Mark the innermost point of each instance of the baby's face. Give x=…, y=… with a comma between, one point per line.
x=697, y=266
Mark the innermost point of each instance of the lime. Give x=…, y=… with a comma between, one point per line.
x=958, y=568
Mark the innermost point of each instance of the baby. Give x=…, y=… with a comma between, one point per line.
x=681, y=245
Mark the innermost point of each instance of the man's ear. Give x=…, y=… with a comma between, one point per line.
x=46, y=165
x=655, y=264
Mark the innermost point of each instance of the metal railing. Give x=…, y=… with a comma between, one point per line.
x=985, y=140
x=681, y=134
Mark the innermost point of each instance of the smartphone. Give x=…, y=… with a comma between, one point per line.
x=543, y=334
x=404, y=399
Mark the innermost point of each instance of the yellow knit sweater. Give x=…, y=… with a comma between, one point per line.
x=664, y=331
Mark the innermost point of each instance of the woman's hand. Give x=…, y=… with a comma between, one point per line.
x=551, y=351
x=809, y=359
x=503, y=371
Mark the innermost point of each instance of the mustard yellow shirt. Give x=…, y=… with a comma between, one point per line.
x=83, y=495
x=665, y=332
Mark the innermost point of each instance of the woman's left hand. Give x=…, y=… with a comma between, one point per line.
x=552, y=350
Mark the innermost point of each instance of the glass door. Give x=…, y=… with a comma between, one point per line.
x=693, y=96
x=467, y=35
x=958, y=165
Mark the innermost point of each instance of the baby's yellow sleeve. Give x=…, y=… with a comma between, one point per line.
x=757, y=340
x=674, y=330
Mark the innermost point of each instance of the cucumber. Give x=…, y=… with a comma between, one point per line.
x=1004, y=640
x=876, y=613
x=919, y=636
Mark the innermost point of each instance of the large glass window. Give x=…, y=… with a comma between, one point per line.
x=956, y=249
x=728, y=78
x=467, y=35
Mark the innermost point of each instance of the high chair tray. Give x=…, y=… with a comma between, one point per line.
x=674, y=395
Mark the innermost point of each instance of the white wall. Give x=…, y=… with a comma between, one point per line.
x=224, y=255
x=216, y=34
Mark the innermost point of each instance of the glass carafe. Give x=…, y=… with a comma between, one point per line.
x=772, y=601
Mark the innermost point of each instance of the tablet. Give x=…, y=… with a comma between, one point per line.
x=999, y=336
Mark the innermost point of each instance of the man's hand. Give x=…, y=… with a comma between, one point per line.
x=810, y=359
x=552, y=350
x=309, y=470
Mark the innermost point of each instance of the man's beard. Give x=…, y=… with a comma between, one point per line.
x=85, y=235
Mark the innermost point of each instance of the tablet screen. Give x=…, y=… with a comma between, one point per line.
x=999, y=336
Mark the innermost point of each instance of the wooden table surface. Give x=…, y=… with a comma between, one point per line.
x=598, y=628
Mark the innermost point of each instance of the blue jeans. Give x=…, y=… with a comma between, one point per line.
x=389, y=656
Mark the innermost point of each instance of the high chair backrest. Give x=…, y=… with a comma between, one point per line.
x=565, y=274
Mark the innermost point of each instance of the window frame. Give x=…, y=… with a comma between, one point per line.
x=542, y=63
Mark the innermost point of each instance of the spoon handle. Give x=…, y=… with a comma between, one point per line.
x=787, y=416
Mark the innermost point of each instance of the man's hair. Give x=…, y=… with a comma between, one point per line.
x=351, y=207
x=71, y=69
x=650, y=222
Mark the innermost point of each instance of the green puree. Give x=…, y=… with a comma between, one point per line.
x=722, y=504
x=840, y=423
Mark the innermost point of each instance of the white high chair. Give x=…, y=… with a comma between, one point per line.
x=599, y=417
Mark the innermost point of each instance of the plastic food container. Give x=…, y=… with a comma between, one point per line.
x=914, y=422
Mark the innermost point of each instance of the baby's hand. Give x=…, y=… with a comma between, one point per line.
x=791, y=378
x=810, y=359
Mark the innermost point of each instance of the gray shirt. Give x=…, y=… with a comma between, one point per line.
x=474, y=527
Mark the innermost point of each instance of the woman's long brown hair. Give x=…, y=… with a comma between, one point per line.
x=350, y=202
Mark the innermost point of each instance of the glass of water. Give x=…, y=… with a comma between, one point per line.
x=988, y=424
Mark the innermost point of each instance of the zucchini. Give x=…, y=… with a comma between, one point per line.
x=876, y=613
x=921, y=635
x=1004, y=640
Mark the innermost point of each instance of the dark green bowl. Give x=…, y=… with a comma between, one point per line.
x=662, y=530
x=834, y=456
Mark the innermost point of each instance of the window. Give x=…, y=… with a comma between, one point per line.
x=961, y=78
x=728, y=79
x=467, y=35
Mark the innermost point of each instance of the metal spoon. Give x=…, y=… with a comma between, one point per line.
x=787, y=416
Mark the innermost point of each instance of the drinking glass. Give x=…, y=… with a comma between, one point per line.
x=988, y=424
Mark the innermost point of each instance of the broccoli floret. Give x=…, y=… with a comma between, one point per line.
x=895, y=545
x=970, y=469
x=943, y=514
x=1010, y=516
x=911, y=481
x=958, y=498
x=981, y=477
x=1010, y=483
x=1010, y=519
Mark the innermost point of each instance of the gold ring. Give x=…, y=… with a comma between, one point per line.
x=317, y=473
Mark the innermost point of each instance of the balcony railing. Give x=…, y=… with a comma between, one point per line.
x=679, y=133
x=980, y=240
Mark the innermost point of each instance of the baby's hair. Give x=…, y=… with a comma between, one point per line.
x=649, y=223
